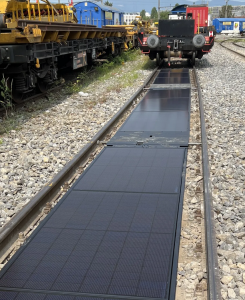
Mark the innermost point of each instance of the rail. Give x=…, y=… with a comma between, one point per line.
x=231, y=50
x=214, y=287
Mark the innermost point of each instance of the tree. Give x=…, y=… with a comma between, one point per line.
x=164, y=15
x=154, y=14
x=229, y=11
x=177, y=4
x=142, y=14
x=108, y=3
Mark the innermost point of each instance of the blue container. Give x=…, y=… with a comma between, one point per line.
x=234, y=25
x=95, y=13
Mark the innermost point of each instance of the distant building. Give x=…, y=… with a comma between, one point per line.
x=130, y=17
x=238, y=11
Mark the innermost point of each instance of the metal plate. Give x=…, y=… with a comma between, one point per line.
x=167, y=86
x=170, y=93
x=174, y=72
x=135, y=170
x=173, y=139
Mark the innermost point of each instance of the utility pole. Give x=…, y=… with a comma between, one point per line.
x=226, y=3
x=158, y=9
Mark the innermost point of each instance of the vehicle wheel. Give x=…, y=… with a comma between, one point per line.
x=199, y=54
x=158, y=60
x=193, y=59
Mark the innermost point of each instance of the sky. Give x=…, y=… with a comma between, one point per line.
x=138, y=5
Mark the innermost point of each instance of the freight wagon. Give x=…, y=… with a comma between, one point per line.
x=37, y=40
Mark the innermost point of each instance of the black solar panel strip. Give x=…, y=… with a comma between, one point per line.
x=171, y=93
x=132, y=245
x=134, y=170
x=163, y=104
x=172, y=75
x=157, y=121
x=171, y=80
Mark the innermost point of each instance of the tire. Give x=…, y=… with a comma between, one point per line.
x=158, y=60
x=193, y=59
x=152, y=41
x=199, y=41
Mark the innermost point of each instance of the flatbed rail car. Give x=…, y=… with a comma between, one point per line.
x=13, y=10
x=32, y=50
x=176, y=38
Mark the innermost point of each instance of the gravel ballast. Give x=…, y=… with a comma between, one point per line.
x=47, y=139
x=222, y=76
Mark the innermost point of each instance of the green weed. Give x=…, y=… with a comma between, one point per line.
x=6, y=95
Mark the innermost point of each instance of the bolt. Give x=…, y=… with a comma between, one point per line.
x=66, y=186
x=20, y=240
x=198, y=213
x=47, y=208
x=80, y=169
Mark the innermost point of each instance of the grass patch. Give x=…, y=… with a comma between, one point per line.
x=6, y=94
x=108, y=69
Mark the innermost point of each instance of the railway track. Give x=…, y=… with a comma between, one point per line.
x=222, y=44
x=23, y=224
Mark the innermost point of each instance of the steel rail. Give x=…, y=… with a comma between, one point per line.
x=9, y=233
x=214, y=286
x=235, y=44
x=52, y=26
x=231, y=50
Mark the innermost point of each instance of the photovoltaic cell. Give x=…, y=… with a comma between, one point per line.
x=157, y=121
x=163, y=104
x=141, y=251
x=135, y=170
x=171, y=93
x=171, y=80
